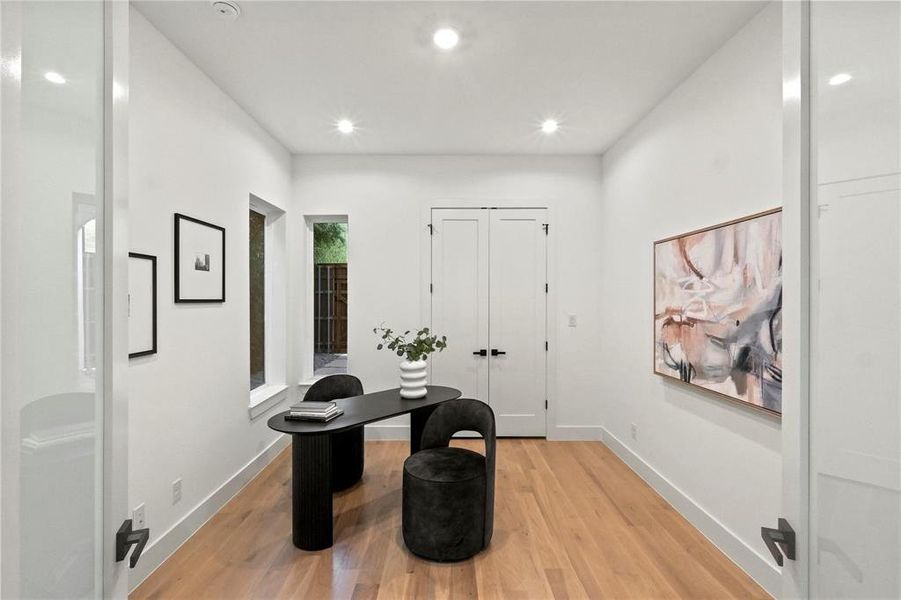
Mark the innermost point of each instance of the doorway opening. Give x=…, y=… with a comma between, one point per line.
x=329, y=298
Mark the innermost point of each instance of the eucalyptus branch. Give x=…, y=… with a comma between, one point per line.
x=418, y=347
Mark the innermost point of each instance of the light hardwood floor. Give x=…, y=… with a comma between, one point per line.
x=571, y=521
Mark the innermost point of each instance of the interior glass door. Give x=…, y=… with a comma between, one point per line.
x=855, y=413
x=51, y=298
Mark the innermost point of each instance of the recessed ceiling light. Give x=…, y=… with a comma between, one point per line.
x=839, y=79
x=550, y=126
x=226, y=9
x=345, y=126
x=446, y=38
x=54, y=77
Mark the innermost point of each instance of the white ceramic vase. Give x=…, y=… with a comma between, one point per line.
x=413, y=379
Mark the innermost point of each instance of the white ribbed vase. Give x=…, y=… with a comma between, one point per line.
x=413, y=379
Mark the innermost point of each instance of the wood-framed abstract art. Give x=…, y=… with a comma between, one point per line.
x=718, y=309
x=199, y=260
x=141, y=304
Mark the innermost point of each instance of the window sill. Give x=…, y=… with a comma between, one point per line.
x=265, y=397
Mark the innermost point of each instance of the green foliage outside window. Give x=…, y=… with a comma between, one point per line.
x=329, y=243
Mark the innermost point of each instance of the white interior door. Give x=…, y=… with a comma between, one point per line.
x=517, y=330
x=489, y=273
x=63, y=286
x=460, y=299
x=855, y=299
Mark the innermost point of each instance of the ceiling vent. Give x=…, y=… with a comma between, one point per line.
x=226, y=10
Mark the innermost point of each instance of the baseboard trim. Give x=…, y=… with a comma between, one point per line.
x=559, y=433
x=757, y=566
x=156, y=553
x=387, y=432
x=575, y=433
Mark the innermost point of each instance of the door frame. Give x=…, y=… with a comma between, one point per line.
x=115, y=503
x=797, y=174
x=551, y=316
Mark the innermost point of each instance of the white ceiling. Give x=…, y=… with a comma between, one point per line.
x=598, y=67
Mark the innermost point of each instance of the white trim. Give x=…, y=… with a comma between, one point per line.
x=308, y=336
x=552, y=324
x=573, y=433
x=161, y=548
x=387, y=432
x=797, y=172
x=265, y=397
x=560, y=433
x=757, y=566
x=113, y=503
x=275, y=292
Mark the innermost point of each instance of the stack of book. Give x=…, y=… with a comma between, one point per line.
x=322, y=412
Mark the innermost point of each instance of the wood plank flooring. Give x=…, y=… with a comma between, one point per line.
x=571, y=521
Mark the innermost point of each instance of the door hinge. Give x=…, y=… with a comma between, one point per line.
x=431, y=229
x=546, y=227
x=431, y=289
x=545, y=345
x=545, y=404
x=545, y=288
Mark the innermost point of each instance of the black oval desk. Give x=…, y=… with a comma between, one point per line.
x=311, y=454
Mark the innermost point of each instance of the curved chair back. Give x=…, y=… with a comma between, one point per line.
x=334, y=387
x=466, y=414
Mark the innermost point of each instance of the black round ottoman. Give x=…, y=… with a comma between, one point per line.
x=444, y=503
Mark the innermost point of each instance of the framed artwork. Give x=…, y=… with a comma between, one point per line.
x=199, y=260
x=718, y=309
x=141, y=304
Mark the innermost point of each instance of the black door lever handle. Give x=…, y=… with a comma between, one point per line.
x=495, y=352
x=127, y=537
x=780, y=541
x=481, y=352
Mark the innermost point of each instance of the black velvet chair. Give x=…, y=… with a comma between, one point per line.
x=448, y=492
x=347, y=446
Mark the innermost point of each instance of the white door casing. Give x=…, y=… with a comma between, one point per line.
x=489, y=292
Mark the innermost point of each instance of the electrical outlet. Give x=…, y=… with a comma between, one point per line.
x=634, y=431
x=176, y=491
x=138, y=517
x=571, y=320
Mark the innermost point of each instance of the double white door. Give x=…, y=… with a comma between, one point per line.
x=489, y=296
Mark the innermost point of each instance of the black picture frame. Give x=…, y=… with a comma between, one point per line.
x=178, y=287
x=153, y=348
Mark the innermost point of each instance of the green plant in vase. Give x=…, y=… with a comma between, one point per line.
x=415, y=350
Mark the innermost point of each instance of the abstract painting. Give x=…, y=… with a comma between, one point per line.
x=718, y=309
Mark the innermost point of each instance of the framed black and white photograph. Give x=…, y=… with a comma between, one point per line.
x=141, y=304
x=199, y=260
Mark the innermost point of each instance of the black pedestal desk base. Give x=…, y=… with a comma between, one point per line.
x=311, y=473
x=312, y=460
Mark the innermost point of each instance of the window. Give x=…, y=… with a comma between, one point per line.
x=329, y=297
x=257, y=299
x=267, y=306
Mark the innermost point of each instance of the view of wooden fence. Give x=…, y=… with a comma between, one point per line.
x=330, y=308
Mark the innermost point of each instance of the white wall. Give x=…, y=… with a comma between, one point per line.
x=193, y=151
x=710, y=152
x=386, y=199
